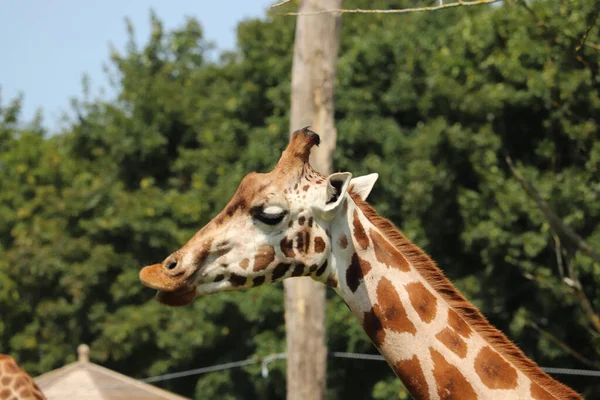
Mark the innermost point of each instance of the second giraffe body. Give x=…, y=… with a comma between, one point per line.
x=294, y=221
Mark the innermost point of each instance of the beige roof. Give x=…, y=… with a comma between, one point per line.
x=88, y=381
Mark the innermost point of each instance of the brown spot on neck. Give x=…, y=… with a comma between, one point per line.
x=390, y=309
x=388, y=254
x=495, y=372
x=453, y=341
x=301, y=220
x=473, y=319
x=388, y=313
x=264, y=257
x=343, y=241
x=356, y=271
x=244, y=263
x=540, y=394
x=422, y=300
x=411, y=374
x=451, y=384
x=359, y=232
x=373, y=327
x=458, y=324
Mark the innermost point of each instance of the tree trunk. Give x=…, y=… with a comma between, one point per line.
x=313, y=81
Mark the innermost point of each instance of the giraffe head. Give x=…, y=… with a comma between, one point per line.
x=277, y=225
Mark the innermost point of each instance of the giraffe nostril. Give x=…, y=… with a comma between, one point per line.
x=171, y=265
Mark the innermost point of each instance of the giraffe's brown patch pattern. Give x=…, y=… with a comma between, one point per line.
x=219, y=278
x=458, y=324
x=388, y=254
x=355, y=272
x=240, y=204
x=422, y=300
x=322, y=269
x=259, y=280
x=299, y=270
x=388, y=313
x=301, y=220
x=5, y=394
x=20, y=382
x=451, y=384
x=319, y=244
x=453, y=341
x=359, y=232
x=280, y=270
x=538, y=393
x=343, y=241
x=11, y=368
x=287, y=247
x=331, y=281
x=390, y=310
x=495, y=372
x=6, y=380
x=305, y=187
x=202, y=255
x=245, y=262
x=303, y=241
x=411, y=374
x=264, y=256
x=237, y=280
x=373, y=328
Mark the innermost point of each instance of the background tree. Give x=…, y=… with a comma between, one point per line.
x=433, y=102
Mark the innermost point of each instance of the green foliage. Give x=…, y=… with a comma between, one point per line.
x=432, y=102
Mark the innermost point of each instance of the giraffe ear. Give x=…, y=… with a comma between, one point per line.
x=363, y=185
x=333, y=195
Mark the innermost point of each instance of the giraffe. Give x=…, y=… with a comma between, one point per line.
x=15, y=383
x=293, y=221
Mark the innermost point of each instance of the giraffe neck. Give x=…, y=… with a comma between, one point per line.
x=437, y=342
x=15, y=383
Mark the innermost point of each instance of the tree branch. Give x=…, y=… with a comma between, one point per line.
x=562, y=230
x=441, y=6
x=564, y=346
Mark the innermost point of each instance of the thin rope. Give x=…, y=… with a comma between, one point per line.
x=338, y=354
x=203, y=370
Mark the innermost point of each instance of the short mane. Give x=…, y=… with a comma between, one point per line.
x=467, y=311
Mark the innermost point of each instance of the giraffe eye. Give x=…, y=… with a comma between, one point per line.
x=271, y=215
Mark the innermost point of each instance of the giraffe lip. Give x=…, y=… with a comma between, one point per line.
x=177, y=298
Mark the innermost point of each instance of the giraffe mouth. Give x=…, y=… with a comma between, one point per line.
x=177, y=298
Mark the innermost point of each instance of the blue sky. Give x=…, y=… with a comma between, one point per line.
x=47, y=46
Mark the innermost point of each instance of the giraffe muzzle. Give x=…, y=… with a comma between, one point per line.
x=174, y=288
